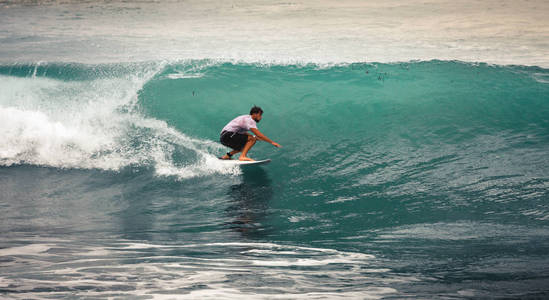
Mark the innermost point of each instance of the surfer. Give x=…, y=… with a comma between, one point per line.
x=235, y=134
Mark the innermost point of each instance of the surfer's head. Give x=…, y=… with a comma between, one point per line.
x=256, y=112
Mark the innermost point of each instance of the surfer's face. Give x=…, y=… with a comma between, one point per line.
x=257, y=117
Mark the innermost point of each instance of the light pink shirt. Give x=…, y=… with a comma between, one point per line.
x=240, y=124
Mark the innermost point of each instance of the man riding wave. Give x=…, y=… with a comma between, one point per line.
x=235, y=134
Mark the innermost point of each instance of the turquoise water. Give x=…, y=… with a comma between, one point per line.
x=408, y=180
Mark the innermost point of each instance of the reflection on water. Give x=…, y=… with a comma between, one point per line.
x=250, y=202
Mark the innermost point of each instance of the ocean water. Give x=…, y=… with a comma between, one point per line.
x=422, y=172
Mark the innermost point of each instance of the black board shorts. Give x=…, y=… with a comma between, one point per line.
x=233, y=140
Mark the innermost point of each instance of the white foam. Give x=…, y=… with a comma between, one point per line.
x=103, y=271
x=25, y=250
x=65, y=124
x=342, y=199
x=183, y=76
x=300, y=262
x=227, y=293
x=93, y=125
x=296, y=219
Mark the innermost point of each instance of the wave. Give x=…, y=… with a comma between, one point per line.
x=167, y=115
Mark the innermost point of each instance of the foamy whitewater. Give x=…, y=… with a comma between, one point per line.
x=414, y=162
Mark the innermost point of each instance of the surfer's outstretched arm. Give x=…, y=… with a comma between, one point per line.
x=262, y=137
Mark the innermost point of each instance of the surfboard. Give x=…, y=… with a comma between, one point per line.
x=246, y=163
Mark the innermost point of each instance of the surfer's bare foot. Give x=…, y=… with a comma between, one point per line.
x=245, y=158
x=225, y=157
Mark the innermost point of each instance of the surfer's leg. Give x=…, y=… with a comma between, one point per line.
x=247, y=147
x=231, y=153
x=235, y=141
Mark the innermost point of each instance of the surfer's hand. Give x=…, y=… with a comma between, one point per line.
x=276, y=145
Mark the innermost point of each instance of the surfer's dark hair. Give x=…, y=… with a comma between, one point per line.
x=255, y=110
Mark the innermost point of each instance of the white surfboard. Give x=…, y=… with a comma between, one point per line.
x=245, y=162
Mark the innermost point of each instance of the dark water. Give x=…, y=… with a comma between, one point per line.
x=413, y=180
